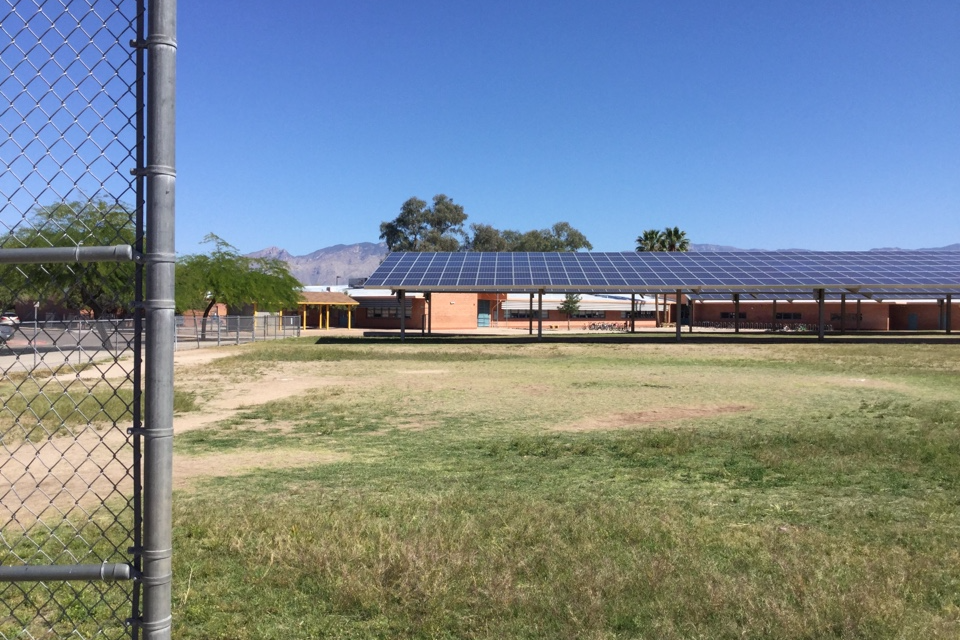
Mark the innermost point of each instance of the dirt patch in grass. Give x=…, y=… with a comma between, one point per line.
x=422, y=372
x=867, y=382
x=188, y=469
x=91, y=466
x=225, y=400
x=537, y=389
x=658, y=416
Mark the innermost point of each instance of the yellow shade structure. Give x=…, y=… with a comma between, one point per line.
x=322, y=301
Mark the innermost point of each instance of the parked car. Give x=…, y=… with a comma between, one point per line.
x=8, y=325
x=9, y=318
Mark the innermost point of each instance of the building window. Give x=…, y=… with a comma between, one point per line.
x=589, y=314
x=850, y=317
x=521, y=314
x=639, y=315
x=789, y=316
x=729, y=315
x=385, y=312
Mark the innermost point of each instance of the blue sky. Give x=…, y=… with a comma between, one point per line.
x=768, y=124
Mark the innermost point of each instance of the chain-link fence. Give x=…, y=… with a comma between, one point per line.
x=195, y=331
x=77, y=172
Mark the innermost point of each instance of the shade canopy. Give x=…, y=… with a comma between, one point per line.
x=772, y=274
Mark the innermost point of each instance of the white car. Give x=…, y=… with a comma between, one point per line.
x=8, y=325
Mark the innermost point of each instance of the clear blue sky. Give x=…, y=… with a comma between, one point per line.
x=821, y=124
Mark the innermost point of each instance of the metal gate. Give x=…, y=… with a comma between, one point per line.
x=86, y=288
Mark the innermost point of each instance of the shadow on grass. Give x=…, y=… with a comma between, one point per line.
x=658, y=337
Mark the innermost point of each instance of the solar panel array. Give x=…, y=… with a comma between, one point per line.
x=775, y=274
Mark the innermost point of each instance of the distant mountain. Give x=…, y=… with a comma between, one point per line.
x=322, y=267
x=717, y=247
x=332, y=265
x=722, y=247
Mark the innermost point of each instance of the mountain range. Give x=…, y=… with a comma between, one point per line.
x=342, y=263
x=332, y=265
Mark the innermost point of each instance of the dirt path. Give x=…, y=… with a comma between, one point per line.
x=56, y=475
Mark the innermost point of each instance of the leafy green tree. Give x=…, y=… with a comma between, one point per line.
x=487, y=238
x=560, y=237
x=225, y=276
x=570, y=307
x=438, y=227
x=100, y=287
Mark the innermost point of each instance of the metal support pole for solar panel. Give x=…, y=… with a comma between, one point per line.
x=843, y=313
x=941, y=321
x=540, y=315
x=401, y=298
x=429, y=298
x=821, y=325
x=691, y=303
x=949, y=313
x=677, y=319
x=633, y=312
x=531, y=314
x=859, y=315
x=773, y=315
x=736, y=313
x=157, y=549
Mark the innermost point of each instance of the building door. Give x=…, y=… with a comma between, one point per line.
x=913, y=322
x=483, y=313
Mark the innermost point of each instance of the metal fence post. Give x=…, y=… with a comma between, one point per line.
x=160, y=260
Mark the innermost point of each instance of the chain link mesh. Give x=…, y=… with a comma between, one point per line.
x=69, y=337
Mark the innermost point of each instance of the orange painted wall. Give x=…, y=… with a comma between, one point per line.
x=450, y=311
x=927, y=316
x=454, y=311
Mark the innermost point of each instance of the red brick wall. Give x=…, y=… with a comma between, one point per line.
x=927, y=316
x=874, y=316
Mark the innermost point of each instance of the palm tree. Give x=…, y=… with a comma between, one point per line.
x=651, y=240
x=675, y=239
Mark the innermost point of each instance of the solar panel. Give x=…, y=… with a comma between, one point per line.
x=864, y=274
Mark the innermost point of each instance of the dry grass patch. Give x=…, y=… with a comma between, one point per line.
x=658, y=416
x=187, y=469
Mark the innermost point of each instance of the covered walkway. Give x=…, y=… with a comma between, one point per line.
x=320, y=303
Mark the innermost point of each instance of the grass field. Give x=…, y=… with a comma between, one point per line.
x=492, y=490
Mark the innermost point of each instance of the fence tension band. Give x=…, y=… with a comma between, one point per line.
x=107, y=572
x=69, y=255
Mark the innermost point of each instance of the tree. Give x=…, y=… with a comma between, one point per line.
x=224, y=276
x=487, y=238
x=675, y=240
x=422, y=228
x=560, y=237
x=439, y=227
x=100, y=287
x=570, y=307
x=651, y=240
